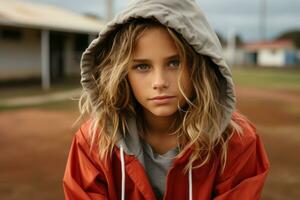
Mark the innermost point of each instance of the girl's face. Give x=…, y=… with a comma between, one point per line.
x=153, y=73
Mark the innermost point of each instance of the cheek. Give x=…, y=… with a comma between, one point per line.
x=186, y=83
x=136, y=86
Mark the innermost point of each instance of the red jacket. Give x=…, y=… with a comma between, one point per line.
x=86, y=177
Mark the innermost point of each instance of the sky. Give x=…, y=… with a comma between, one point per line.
x=225, y=16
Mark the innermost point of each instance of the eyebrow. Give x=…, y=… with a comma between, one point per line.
x=147, y=60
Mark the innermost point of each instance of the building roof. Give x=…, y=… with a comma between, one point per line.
x=41, y=16
x=275, y=44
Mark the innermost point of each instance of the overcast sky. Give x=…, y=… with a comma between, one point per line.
x=225, y=16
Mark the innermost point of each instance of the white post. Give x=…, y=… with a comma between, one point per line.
x=110, y=9
x=45, y=58
x=231, y=47
x=263, y=20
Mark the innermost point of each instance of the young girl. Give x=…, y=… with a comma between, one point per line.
x=162, y=120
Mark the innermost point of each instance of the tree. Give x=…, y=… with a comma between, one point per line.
x=293, y=35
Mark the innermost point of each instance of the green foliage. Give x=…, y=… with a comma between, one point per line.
x=267, y=78
x=293, y=35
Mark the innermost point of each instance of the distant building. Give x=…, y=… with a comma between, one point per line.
x=44, y=41
x=278, y=53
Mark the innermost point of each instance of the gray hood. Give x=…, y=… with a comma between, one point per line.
x=185, y=17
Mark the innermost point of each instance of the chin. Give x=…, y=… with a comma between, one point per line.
x=164, y=112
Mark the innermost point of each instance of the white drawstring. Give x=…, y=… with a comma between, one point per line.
x=190, y=184
x=123, y=173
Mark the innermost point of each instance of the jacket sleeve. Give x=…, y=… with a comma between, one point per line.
x=82, y=179
x=246, y=169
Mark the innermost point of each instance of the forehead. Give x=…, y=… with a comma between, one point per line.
x=155, y=42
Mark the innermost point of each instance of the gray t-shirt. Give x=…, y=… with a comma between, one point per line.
x=157, y=167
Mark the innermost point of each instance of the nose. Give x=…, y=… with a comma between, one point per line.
x=160, y=80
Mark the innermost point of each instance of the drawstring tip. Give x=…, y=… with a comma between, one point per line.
x=190, y=184
x=123, y=173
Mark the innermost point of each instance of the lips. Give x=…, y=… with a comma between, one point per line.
x=162, y=97
x=162, y=100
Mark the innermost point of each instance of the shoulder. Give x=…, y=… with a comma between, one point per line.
x=82, y=133
x=83, y=141
x=247, y=135
x=82, y=136
x=242, y=146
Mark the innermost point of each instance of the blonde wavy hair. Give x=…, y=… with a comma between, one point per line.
x=197, y=123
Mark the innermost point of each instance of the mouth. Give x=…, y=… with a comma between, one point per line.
x=162, y=99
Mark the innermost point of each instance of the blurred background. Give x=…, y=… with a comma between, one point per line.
x=41, y=42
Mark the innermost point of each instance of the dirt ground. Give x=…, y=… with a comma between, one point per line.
x=276, y=114
x=34, y=145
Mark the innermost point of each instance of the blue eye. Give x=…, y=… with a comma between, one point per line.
x=174, y=63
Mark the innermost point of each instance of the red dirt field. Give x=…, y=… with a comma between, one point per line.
x=35, y=142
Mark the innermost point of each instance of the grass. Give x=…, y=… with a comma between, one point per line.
x=65, y=105
x=30, y=88
x=267, y=78
x=13, y=89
